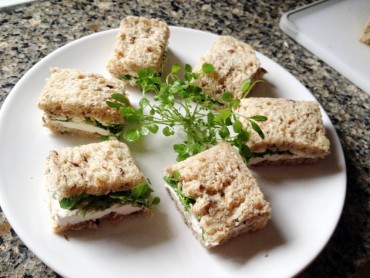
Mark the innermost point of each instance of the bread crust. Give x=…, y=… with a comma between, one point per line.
x=140, y=44
x=234, y=61
x=292, y=125
x=225, y=192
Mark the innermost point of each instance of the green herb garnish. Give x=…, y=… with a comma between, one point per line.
x=180, y=103
x=139, y=196
x=173, y=181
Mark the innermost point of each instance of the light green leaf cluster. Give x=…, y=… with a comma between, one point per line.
x=180, y=103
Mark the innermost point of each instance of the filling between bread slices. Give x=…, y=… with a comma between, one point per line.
x=185, y=203
x=189, y=218
x=272, y=155
x=85, y=207
x=86, y=124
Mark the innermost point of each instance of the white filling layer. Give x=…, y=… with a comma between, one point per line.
x=191, y=219
x=276, y=157
x=81, y=126
x=194, y=222
x=65, y=217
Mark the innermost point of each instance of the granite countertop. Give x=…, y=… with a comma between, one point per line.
x=30, y=31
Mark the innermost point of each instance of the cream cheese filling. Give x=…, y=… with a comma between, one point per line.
x=65, y=217
x=276, y=157
x=81, y=126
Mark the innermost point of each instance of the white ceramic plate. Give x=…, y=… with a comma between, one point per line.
x=306, y=200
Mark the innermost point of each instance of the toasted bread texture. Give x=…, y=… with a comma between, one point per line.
x=70, y=94
x=228, y=200
x=294, y=130
x=140, y=44
x=234, y=61
x=96, y=168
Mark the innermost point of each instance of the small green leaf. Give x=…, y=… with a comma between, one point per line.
x=207, y=68
x=237, y=126
x=224, y=132
x=141, y=191
x=104, y=138
x=223, y=115
x=73, y=202
x=195, y=75
x=175, y=68
x=144, y=102
x=168, y=131
x=243, y=135
x=245, y=152
x=125, y=111
x=246, y=86
x=153, y=128
x=155, y=201
x=176, y=86
x=144, y=131
x=188, y=76
x=227, y=96
x=113, y=104
x=234, y=103
x=195, y=148
x=257, y=129
x=181, y=148
x=258, y=118
x=121, y=98
x=210, y=119
x=172, y=180
x=181, y=157
x=188, y=68
x=132, y=135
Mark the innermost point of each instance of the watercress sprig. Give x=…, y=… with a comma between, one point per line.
x=180, y=103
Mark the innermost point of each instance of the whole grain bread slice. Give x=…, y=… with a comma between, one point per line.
x=140, y=44
x=294, y=130
x=234, y=62
x=227, y=199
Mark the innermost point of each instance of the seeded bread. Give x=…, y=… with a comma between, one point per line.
x=294, y=130
x=97, y=168
x=234, y=61
x=141, y=43
x=365, y=36
x=72, y=94
x=228, y=200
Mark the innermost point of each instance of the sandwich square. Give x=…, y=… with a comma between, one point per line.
x=91, y=172
x=217, y=195
x=294, y=131
x=140, y=44
x=234, y=62
x=73, y=100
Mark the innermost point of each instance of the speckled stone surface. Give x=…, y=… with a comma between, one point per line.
x=31, y=31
